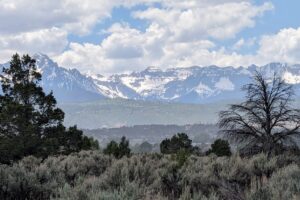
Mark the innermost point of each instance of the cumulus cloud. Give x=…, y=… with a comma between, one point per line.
x=244, y=43
x=281, y=47
x=123, y=43
x=93, y=57
x=49, y=41
x=180, y=33
x=77, y=16
x=32, y=26
x=218, y=21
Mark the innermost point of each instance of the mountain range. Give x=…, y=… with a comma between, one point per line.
x=182, y=85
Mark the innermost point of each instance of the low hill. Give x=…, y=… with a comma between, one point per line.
x=154, y=134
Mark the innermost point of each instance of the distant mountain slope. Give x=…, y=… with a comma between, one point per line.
x=114, y=113
x=67, y=85
x=119, y=112
x=183, y=85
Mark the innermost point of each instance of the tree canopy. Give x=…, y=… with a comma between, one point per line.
x=118, y=150
x=177, y=142
x=30, y=122
x=265, y=121
x=220, y=148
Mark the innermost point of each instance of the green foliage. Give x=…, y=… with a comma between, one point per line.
x=177, y=142
x=118, y=150
x=89, y=143
x=30, y=122
x=181, y=157
x=112, y=148
x=220, y=148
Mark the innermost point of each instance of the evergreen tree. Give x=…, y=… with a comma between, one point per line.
x=118, y=150
x=220, y=148
x=124, y=147
x=30, y=122
x=177, y=142
x=112, y=148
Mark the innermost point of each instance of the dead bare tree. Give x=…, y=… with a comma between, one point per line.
x=266, y=121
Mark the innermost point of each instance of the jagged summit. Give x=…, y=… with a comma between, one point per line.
x=186, y=85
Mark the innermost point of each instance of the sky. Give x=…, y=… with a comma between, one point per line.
x=118, y=36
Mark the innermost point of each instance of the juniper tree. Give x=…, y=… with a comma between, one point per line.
x=220, y=148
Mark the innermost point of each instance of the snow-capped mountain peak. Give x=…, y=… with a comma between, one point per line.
x=188, y=85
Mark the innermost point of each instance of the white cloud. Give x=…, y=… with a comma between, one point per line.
x=185, y=4
x=281, y=47
x=244, y=43
x=224, y=84
x=220, y=21
x=49, y=41
x=85, y=57
x=179, y=34
x=127, y=49
x=23, y=23
x=43, y=26
x=239, y=44
x=77, y=16
x=123, y=43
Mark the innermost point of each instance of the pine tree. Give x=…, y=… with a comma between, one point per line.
x=30, y=122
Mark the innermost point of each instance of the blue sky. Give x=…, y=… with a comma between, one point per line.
x=119, y=36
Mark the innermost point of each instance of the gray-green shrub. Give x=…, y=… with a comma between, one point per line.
x=92, y=175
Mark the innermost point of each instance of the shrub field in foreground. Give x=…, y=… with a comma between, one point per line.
x=93, y=175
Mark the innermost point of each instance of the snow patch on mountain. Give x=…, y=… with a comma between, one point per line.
x=183, y=74
x=147, y=84
x=188, y=85
x=110, y=92
x=203, y=90
x=224, y=84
